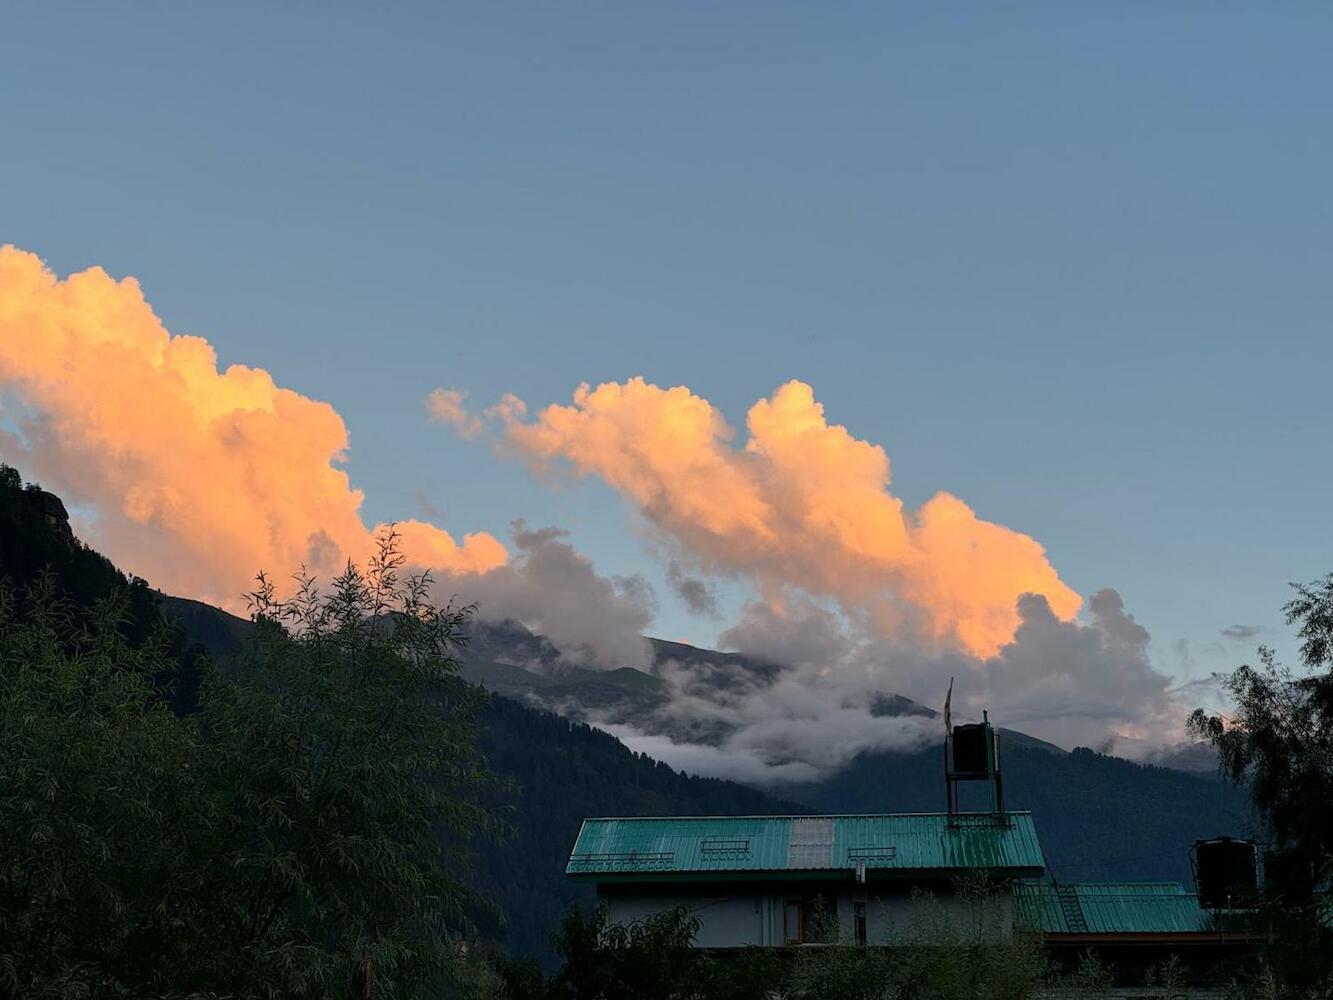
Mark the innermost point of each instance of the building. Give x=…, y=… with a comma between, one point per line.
x=792, y=880
x=919, y=878
x=1133, y=927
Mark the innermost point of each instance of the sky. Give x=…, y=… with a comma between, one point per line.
x=1067, y=263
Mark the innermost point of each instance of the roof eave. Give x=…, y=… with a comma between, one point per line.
x=805, y=874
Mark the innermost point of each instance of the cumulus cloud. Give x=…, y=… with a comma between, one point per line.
x=803, y=503
x=858, y=598
x=446, y=406
x=1075, y=683
x=199, y=477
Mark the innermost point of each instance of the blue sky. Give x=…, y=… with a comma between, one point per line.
x=1068, y=262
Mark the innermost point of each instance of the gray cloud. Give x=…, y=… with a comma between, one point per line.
x=1074, y=683
x=697, y=593
x=1241, y=633
x=427, y=508
x=1184, y=654
x=813, y=689
x=794, y=632
x=553, y=589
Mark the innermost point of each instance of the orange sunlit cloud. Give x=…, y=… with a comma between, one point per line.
x=234, y=472
x=803, y=504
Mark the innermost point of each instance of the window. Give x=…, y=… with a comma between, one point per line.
x=792, y=924
x=859, y=921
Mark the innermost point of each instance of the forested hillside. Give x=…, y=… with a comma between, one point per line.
x=1099, y=817
x=561, y=771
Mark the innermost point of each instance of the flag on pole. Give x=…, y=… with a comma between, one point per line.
x=948, y=717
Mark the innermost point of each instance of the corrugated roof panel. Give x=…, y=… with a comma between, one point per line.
x=1113, y=908
x=1037, y=908
x=811, y=843
x=899, y=842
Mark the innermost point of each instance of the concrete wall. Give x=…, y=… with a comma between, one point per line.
x=752, y=913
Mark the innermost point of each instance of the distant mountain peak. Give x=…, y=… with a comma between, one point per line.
x=884, y=704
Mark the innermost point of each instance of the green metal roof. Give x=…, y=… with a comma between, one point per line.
x=633, y=848
x=1110, y=908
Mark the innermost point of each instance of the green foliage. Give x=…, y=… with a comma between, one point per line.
x=99, y=782
x=1090, y=978
x=939, y=957
x=303, y=832
x=964, y=949
x=358, y=746
x=1279, y=743
x=647, y=959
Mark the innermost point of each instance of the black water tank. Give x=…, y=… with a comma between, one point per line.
x=971, y=749
x=1226, y=873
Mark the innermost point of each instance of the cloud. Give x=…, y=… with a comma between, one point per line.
x=1074, y=683
x=445, y=406
x=857, y=597
x=1184, y=654
x=766, y=728
x=428, y=508
x=802, y=504
x=697, y=594
x=199, y=477
x=1069, y=682
x=750, y=767
x=793, y=630
x=818, y=690
x=553, y=589
x=1240, y=633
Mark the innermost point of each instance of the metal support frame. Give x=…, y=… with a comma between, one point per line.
x=993, y=777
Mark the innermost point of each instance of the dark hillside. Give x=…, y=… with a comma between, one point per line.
x=35, y=536
x=1098, y=817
